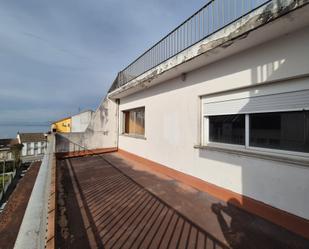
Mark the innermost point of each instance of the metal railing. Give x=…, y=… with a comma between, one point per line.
x=215, y=15
x=66, y=144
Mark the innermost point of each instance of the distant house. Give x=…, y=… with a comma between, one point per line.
x=5, y=149
x=62, y=125
x=34, y=146
x=76, y=123
x=10, y=152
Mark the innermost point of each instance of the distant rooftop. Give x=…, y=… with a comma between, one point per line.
x=4, y=143
x=31, y=137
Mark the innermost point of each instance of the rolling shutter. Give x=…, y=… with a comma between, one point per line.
x=256, y=101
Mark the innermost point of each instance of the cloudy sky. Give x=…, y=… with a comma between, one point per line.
x=61, y=55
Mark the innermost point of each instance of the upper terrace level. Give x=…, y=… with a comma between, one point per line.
x=219, y=29
x=213, y=16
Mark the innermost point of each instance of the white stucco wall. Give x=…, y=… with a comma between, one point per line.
x=172, y=124
x=81, y=121
x=102, y=131
x=40, y=145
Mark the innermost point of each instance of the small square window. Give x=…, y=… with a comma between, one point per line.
x=134, y=121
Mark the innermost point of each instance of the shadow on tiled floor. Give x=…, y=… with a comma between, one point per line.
x=130, y=208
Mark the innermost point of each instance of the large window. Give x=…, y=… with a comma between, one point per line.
x=277, y=130
x=227, y=129
x=134, y=121
x=272, y=117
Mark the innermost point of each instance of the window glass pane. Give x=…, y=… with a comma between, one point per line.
x=227, y=129
x=282, y=130
x=132, y=122
x=28, y=148
x=139, y=125
x=126, y=122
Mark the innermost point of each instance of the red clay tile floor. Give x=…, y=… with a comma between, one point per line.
x=107, y=201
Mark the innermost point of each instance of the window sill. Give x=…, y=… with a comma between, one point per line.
x=134, y=136
x=284, y=158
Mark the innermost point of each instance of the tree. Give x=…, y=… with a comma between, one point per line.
x=16, y=153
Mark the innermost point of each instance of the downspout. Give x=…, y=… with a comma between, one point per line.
x=118, y=122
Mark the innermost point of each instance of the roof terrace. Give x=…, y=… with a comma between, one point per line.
x=105, y=199
x=112, y=201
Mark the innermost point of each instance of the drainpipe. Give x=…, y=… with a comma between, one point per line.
x=118, y=121
x=3, y=173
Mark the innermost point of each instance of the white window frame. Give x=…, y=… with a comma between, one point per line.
x=206, y=141
x=42, y=147
x=29, y=149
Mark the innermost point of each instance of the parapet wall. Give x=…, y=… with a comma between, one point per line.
x=102, y=131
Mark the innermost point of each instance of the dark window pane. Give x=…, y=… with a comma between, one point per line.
x=281, y=130
x=227, y=129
